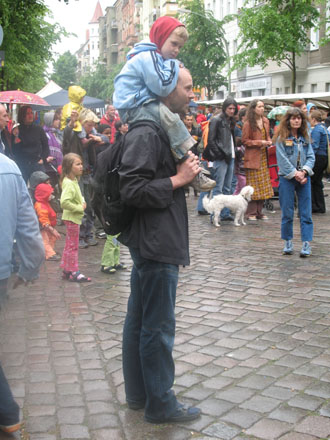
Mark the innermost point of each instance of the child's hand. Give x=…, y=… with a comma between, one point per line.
x=84, y=206
x=56, y=234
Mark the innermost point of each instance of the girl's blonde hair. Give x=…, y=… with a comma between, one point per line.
x=67, y=163
x=87, y=115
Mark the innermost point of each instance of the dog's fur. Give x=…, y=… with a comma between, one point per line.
x=237, y=204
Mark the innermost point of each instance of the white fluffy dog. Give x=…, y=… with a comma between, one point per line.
x=237, y=204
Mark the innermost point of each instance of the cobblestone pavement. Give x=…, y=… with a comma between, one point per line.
x=252, y=346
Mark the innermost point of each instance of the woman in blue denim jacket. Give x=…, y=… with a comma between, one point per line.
x=295, y=160
x=320, y=146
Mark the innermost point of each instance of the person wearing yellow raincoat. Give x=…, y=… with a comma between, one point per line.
x=76, y=96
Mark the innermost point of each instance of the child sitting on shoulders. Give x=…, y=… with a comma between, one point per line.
x=152, y=72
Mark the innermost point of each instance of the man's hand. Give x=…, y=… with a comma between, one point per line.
x=186, y=171
x=97, y=139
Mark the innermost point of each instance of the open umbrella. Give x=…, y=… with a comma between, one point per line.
x=20, y=97
x=280, y=110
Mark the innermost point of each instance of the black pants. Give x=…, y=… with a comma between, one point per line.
x=318, y=203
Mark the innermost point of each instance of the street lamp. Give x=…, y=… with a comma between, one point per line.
x=224, y=40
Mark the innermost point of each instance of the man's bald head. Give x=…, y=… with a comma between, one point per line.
x=178, y=101
x=4, y=118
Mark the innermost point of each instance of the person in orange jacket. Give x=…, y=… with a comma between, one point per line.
x=47, y=219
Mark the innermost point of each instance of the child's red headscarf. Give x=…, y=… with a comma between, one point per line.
x=162, y=29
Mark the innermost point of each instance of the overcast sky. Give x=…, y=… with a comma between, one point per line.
x=74, y=17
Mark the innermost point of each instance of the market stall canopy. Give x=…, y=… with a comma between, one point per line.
x=60, y=98
x=48, y=89
x=321, y=99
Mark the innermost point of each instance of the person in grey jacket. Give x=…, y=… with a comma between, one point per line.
x=18, y=221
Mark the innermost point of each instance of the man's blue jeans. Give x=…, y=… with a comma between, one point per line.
x=223, y=175
x=148, y=337
x=9, y=410
x=287, y=188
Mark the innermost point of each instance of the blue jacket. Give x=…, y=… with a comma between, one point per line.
x=319, y=138
x=18, y=220
x=287, y=156
x=146, y=75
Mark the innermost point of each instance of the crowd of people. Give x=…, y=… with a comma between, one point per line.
x=167, y=149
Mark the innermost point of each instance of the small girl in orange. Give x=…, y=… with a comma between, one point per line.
x=47, y=220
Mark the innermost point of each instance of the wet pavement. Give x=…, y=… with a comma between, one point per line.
x=252, y=346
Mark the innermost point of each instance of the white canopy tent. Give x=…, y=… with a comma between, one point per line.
x=50, y=88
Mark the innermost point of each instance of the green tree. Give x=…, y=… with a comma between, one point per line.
x=28, y=39
x=205, y=53
x=65, y=70
x=99, y=83
x=275, y=30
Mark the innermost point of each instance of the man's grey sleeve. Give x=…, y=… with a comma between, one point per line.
x=29, y=242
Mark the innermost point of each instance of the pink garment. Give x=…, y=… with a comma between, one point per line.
x=241, y=182
x=69, y=261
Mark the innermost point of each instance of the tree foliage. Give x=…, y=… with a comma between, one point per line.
x=204, y=54
x=28, y=39
x=99, y=83
x=276, y=30
x=65, y=70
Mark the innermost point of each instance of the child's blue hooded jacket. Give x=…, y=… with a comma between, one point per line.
x=146, y=75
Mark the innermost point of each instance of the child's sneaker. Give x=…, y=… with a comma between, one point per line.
x=202, y=183
x=306, y=250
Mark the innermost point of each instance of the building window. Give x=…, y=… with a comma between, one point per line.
x=327, y=87
x=261, y=92
x=287, y=90
x=313, y=88
x=228, y=7
x=246, y=93
x=234, y=47
x=315, y=38
x=278, y=90
x=300, y=88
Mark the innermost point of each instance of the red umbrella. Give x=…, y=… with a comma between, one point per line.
x=20, y=97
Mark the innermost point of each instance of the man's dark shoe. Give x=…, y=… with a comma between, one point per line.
x=203, y=213
x=91, y=241
x=82, y=244
x=229, y=218
x=136, y=405
x=182, y=414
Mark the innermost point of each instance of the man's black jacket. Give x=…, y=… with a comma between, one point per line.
x=220, y=138
x=160, y=225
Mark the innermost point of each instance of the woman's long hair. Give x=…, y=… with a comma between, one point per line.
x=251, y=115
x=284, y=129
x=67, y=163
x=22, y=113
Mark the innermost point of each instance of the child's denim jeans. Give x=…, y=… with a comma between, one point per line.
x=180, y=139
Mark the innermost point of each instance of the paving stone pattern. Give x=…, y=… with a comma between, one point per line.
x=252, y=345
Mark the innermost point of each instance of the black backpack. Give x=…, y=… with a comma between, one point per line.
x=114, y=215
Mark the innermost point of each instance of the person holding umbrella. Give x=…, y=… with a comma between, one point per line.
x=30, y=149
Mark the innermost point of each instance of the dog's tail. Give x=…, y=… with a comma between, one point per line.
x=206, y=204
